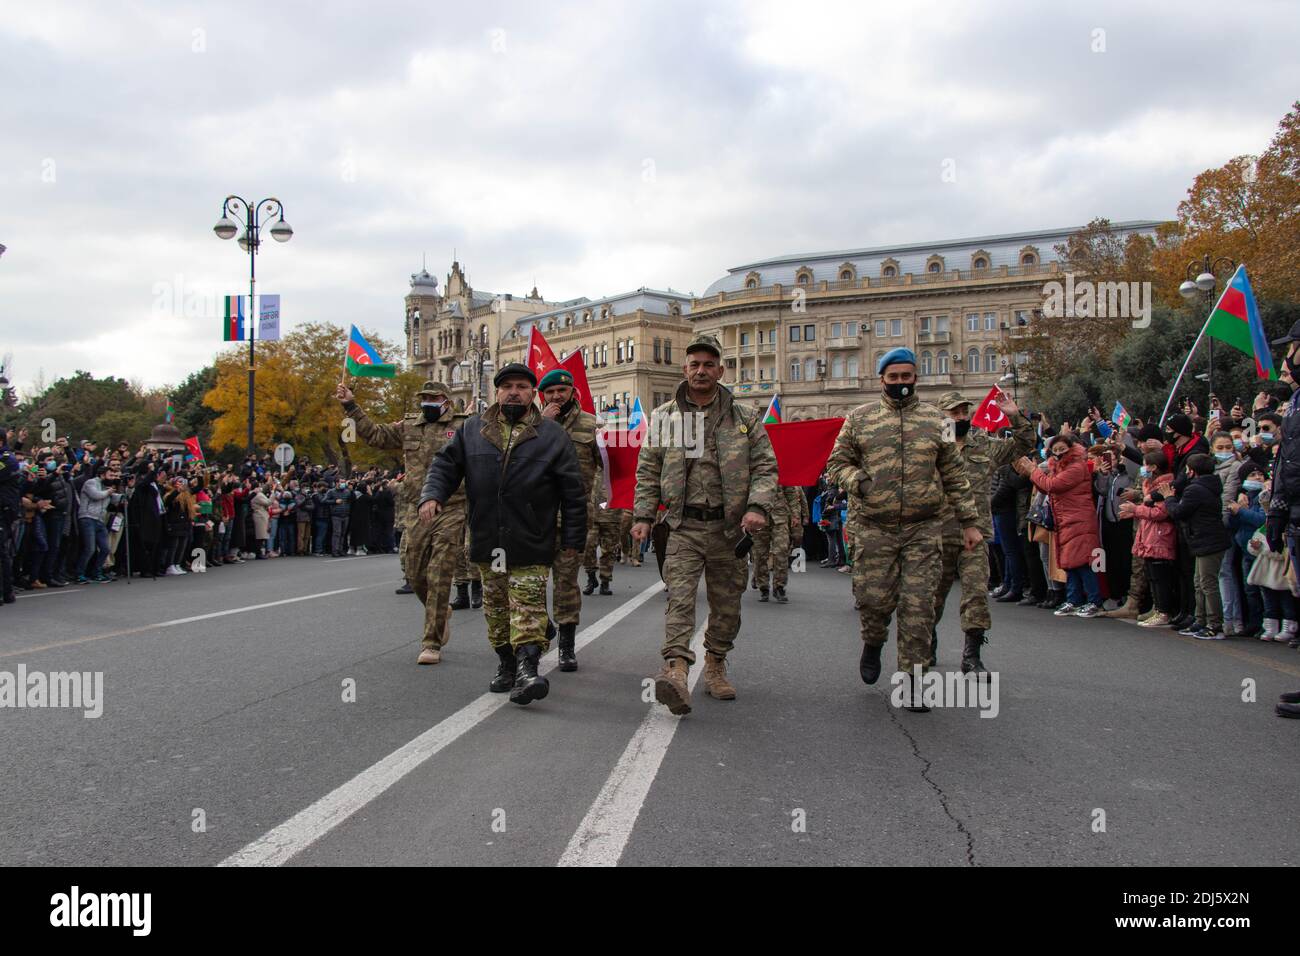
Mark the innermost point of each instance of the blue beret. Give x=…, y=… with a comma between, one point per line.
x=556, y=376
x=895, y=357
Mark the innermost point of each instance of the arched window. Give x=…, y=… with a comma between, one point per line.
x=1028, y=259
x=980, y=263
x=890, y=272
x=674, y=308
x=752, y=280
x=990, y=361
x=973, y=360
x=927, y=363
x=934, y=267
x=482, y=335
x=943, y=363
x=803, y=276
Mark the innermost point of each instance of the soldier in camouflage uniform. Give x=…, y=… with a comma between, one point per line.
x=713, y=494
x=772, y=545
x=604, y=529
x=981, y=456
x=561, y=406
x=629, y=550
x=469, y=584
x=893, y=458
x=519, y=470
x=427, y=551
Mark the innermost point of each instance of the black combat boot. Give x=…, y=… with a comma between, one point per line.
x=604, y=586
x=405, y=588
x=461, y=602
x=762, y=594
x=970, y=655
x=505, y=678
x=869, y=664
x=476, y=594
x=550, y=631
x=568, y=657
x=590, y=586
x=912, y=697
x=778, y=594
x=529, y=686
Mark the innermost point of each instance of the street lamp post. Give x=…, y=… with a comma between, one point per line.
x=477, y=362
x=1014, y=377
x=251, y=217
x=1202, y=280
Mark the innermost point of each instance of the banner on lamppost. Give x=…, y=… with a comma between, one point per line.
x=268, y=318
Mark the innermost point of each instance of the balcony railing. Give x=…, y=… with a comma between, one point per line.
x=845, y=342
x=933, y=338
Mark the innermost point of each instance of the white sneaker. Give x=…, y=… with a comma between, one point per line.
x=171, y=571
x=362, y=552
x=1270, y=629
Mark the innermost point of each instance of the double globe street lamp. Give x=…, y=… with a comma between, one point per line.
x=251, y=217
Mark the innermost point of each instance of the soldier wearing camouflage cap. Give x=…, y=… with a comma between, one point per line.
x=714, y=492
x=428, y=552
x=895, y=460
x=981, y=455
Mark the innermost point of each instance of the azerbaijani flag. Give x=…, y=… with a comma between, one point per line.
x=363, y=361
x=636, y=418
x=171, y=412
x=234, y=329
x=1235, y=320
x=773, y=416
x=1121, y=417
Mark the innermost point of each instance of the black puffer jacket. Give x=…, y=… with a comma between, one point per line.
x=515, y=487
x=1200, y=512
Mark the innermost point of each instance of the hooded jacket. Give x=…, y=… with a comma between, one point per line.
x=516, y=480
x=1200, y=511
x=1155, y=536
x=1068, y=484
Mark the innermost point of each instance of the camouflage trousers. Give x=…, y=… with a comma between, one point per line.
x=603, y=531
x=707, y=548
x=466, y=570
x=897, y=568
x=429, y=562
x=771, y=554
x=564, y=576
x=972, y=569
x=514, y=604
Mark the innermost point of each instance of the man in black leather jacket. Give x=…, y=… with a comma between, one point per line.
x=1283, y=522
x=520, y=471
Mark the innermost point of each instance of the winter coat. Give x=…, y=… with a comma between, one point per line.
x=1177, y=459
x=1200, y=511
x=92, y=502
x=516, y=479
x=1154, y=535
x=1247, y=520
x=1069, y=486
x=261, y=507
x=1227, y=472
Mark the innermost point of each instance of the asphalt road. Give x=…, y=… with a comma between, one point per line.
x=226, y=737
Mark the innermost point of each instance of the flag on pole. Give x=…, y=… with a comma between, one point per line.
x=1235, y=320
x=802, y=449
x=1121, y=417
x=636, y=418
x=575, y=366
x=192, y=444
x=233, y=328
x=988, y=416
x=170, y=413
x=618, y=458
x=268, y=318
x=773, y=416
x=363, y=361
x=540, y=357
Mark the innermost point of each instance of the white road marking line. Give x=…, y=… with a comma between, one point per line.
x=603, y=834
x=304, y=828
x=54, y=593
x=179, y=620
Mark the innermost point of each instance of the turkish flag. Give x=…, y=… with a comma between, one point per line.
x=802, y=449
x=578, y=369
x=192, y=445
x=988, y=416
x=540, y=357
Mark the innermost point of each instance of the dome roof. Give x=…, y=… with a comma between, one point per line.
x=166, y=435
x=422, y=283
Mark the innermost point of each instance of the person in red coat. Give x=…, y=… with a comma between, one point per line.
x=1068, y=484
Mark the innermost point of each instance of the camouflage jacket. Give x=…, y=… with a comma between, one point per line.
x=899, y=452
x=982, y=455
x=745, y=460
x=790, y=503
x=419, y=442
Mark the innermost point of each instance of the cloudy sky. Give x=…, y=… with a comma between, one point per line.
x=592, y=147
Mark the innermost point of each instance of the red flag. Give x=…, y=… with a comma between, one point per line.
x=802, y=449
x=578, y=369
x=619, y=453
x=988, y=416
x=540, y=357
x=192, y=444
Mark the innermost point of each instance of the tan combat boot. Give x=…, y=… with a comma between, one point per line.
x=671, y=689
x=429, y=655
x=1128, y=610
x=716, y=684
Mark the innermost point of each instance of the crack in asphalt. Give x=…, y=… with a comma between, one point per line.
x=925, y=775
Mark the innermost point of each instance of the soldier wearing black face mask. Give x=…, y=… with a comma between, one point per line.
x=1283, y=523
x=425, y=550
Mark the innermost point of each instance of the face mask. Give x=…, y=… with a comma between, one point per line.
x=963, y=426
x=513, y=413
x=50, y=466
x=1253, y=485
x=1144, y=471
x=1224, y=455
x=1267, y=437
x=432, y=411
x=1238, y=444
x=899, y=390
